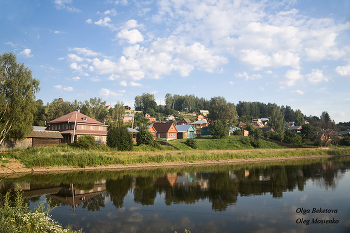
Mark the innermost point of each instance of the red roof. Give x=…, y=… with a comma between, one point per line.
x=163, y=127
x=81, y=118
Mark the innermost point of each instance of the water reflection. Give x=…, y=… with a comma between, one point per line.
x=219, y=186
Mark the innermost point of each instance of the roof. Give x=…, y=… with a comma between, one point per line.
x=203, y=111
x=81, y=118
x=294, y=127
x=188, y=121
x=162, y=127
x=202, y=121
x=132, y=130
x=39, y=128
x=183, y=128
x=344, y=132
x=80, y=132
x=44, y=134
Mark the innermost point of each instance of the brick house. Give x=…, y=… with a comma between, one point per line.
x=75, y=124
x=165, y=131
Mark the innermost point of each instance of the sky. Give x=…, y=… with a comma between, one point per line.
x=288, y=52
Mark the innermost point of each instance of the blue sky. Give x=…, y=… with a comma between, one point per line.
x=294, y=53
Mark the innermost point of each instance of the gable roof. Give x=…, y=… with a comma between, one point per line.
x=202, y=121
x=163, y=127
x=70, y=117
x=183, y=128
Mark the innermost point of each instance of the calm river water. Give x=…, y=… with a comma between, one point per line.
x=295, y=196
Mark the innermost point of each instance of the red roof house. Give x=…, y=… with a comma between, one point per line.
x=75, y=124
x=165, y=131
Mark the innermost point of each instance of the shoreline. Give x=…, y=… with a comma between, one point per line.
x=20, y=171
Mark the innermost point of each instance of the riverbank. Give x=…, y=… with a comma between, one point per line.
x=165, y=159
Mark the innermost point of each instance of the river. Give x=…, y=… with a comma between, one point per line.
x=291, y=196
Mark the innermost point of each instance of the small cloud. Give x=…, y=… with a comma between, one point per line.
x=261, y=88
x=299, y=92
x=123, y=83
x=57, y=32
x=60, y=88
x=122, y=91
x=76, y=78
x=231, y=83
x=111, y=12
x=26, y=53
x=343, y=70
x=88, y=21
x=11, y=44
x=268, y=72
x=85, y=52
x=68, y=89
x=316, y=76
x=122, y=2
x=61, y=58
x=133, y=36
x=134, y=84
x=107, y=92
x=113, y=77
x=94, y=79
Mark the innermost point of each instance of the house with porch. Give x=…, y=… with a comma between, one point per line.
x=185, y=131
x=165, y=131
x=75, y=124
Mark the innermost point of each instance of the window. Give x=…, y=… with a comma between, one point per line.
x=101, y=128
x=59, y=127
x=83, y=127
x=92, y=127
x=54, y=127
x=97, y=138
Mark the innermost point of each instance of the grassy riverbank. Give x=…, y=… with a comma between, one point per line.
x=75, y=157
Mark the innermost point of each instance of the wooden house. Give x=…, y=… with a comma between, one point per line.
x=185, y=131
x=165, y=131
x=200, y=123
x=184, y=122
x=75, y=124
x=152, y=130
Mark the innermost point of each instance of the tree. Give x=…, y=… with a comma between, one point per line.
x=17, y=98
x=145, y=137
x=58, y=108
x=277, y=120
x=119, y=137
x=219, y=109
x=40, y=115
x=217, y=129
x=95, y=108
x=117, y=113
x=299, y=118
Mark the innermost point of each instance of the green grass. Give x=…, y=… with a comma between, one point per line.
x=228, y=143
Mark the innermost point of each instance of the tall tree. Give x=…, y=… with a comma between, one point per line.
x=277, y=120
x=219, y=109
x=17, y=98
x=299, y=118
x=40, y=115
x=95, y=108
x=117, y=114
x=169, y=103
x=58, y=108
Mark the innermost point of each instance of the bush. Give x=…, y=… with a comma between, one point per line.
x=217, y=129
x=345, y=141
x=292, y=137
x=86, y=142
x=191, y=143
x=119, y=137
x=146, y=137
x=16, y=217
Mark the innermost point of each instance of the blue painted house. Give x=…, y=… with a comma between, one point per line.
x=185, y=131
x=205, y=131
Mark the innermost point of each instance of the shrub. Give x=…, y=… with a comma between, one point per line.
x=292, y=137
x=119, y=137
x=345, y=141
x=86, y=142
x=217, y=129
x=191, y=143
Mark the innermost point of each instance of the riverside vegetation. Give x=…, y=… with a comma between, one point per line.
x=234, y=147
x=15, y=216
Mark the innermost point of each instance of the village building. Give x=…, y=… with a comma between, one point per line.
x=75, y=124
x=185, y=131
x=165, y=131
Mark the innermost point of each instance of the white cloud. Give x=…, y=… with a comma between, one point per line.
x=94, y=79
x=26, y=53
x=60, y=88
x=57, y=32
x=316, y=76
x=133, y=36
x=62, y=4
x=74, y=58
x=343, y=70
x=132, y=23
x=122, y=2
x=75, y=66
x=248, y=77
x=299, y=92
x=107, y=92
x=88, y=21
x=11, y=44
x=123, y=83
x=231, y=83
x=134, y=84
x=113, y=77
x=76, y=78
x=85, y=52
x=111, y=12
x=105, y=23
x=292, y=78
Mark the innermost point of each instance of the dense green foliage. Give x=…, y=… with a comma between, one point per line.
x=119, y=137
x=146, y=137
x=217, y=129
x=86, y=142
x=191, y=142
x=17, y=98
x=15, y=216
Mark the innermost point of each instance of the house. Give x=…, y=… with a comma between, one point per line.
x=289, y=124
x=201, y=117
x=200, y=123
x=133, y=133
x=128, y=118
x=151, y=119
x=296, y=129
x=205, y=131
x=165, y=131
x=184, y=122
x=185, y=131
x=37, y=138
x=204, y=112
x=75, y=124
x=152, y=130
x=170, y=118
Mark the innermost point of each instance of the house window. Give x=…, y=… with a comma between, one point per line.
x=54, y=127
x=59, y=127
x=83, y=127
x=97, y=138
x=101, y=128
x=92, y=127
